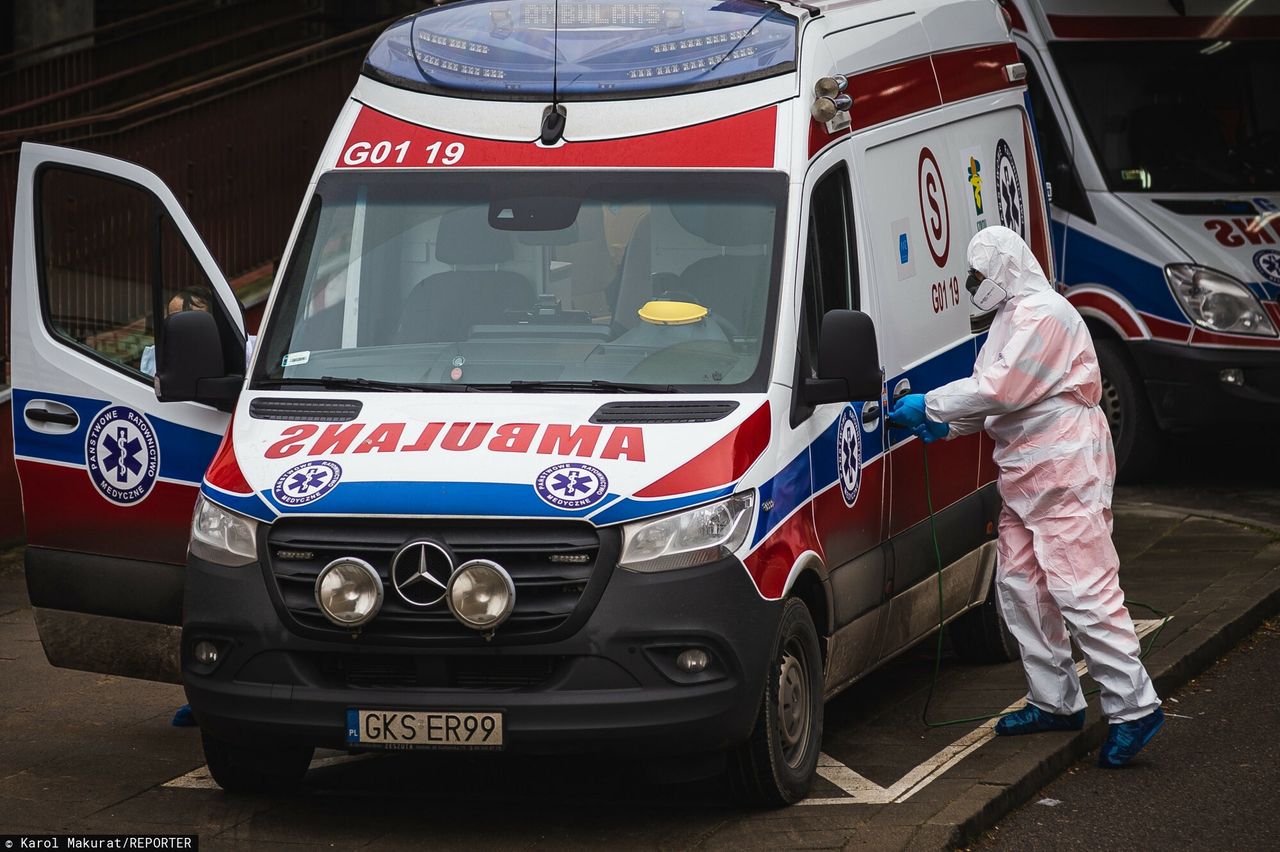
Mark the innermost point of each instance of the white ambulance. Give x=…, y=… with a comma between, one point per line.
x=1159, y=123
x=564, y=431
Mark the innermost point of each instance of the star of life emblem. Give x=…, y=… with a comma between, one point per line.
x=849, y=455
x=572, y=485
x=122, y=455
x=307, y=482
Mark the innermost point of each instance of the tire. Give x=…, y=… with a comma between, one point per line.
x=1134, y=431
x=980, y=636
x=245, y=769
x=776, y=765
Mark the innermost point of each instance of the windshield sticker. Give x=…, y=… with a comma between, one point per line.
x=1009, y=191
x=572, y=485
x=123, y=455
x=849, y=455
x=551, y=439
x=306, y=483
x=1268, y=263
x=294, y=359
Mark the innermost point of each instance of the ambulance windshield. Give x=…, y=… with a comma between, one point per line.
x=1179, y=116
x=480, y=280
x=522, y=48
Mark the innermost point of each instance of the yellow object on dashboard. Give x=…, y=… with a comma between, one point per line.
x=662, y=312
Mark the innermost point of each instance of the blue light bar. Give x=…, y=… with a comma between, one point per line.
x=510, y=48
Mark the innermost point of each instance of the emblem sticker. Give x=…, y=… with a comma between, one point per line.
x=572, y=485
x=1268, y=263
x=123, y=455
x=849, y=455
x=933, y=208
x=305, y=483
x=1009, y=191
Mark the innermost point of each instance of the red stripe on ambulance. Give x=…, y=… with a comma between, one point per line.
x=65, y=511
x=926, y=82
x=743, y=141
x=723, y=462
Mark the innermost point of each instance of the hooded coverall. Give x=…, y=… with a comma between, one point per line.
x=1035, y=388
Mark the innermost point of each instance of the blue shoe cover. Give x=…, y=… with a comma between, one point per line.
x=1032, y=720
x=1126, y=739
x=184, y=718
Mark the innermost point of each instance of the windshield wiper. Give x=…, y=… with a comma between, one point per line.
x=593, y=386
x=359, y=384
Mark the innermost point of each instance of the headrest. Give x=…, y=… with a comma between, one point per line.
x=726, y=224
x=465, y=239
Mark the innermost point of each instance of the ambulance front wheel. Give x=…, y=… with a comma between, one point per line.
x=776, y=765
x=256, y=769
x=1134, y=430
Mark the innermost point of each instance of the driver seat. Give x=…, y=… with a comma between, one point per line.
x=446, y=305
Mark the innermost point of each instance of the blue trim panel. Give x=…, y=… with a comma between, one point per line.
x=185, y=452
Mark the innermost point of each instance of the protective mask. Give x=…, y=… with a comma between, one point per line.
x=985, y=294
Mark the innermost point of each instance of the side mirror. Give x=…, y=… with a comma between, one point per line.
x=191, y=365
x=848, y=361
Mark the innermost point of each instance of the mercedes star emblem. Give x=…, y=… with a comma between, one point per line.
x=420, y=572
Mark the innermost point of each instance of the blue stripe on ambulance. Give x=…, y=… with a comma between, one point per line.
x=184, y=452
x=1091, y=261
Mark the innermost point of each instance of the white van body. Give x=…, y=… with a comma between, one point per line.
x=1157, y=122
x=574, y=381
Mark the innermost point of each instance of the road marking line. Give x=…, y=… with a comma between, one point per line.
x=862, y=791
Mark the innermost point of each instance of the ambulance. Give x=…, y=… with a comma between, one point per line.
x=1162, y=147
x=565, y=430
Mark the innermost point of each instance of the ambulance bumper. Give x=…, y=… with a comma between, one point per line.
x=613, y=685
x=1191, y=387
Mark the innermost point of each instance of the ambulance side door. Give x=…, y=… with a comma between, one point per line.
x=102, y=254
x=846, y=453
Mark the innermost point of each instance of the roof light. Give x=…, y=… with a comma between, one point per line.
x=510, y=48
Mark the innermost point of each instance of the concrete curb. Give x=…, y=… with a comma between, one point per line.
x=1011, y=785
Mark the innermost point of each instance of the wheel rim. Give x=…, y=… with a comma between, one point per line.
x=794, y=703
x=1111, y=407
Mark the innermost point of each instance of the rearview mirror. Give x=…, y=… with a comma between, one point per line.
x=191, y=366
x=848, y=361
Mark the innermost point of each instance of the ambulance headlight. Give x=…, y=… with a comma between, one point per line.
x=1218, y=302
x=349, y=591
x=686, y=539
x=222, y=537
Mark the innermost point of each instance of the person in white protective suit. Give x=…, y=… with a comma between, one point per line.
x=1035, y=388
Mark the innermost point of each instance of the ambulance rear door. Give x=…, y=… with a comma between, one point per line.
x=102, y=253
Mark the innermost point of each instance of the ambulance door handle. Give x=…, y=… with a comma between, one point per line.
x=870, y=415
x=901, y=389
x=49, y=417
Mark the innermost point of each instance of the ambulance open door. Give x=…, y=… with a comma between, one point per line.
x=102, y=253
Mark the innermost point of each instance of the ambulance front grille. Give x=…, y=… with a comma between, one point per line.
x=559, y=569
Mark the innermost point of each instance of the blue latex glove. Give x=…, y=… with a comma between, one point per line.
x=929, y=431
x=909, y=412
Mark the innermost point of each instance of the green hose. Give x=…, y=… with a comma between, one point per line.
x=937, y=659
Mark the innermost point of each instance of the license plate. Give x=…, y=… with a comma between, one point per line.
x=426, y=729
